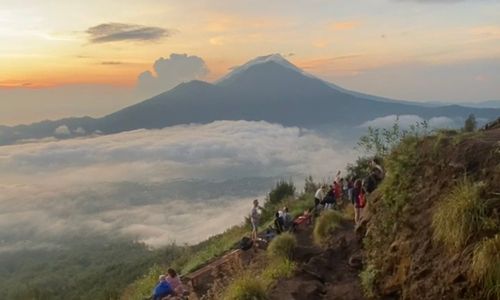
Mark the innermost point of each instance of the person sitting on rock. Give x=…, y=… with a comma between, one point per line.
x=175, y=282
x=162, y=289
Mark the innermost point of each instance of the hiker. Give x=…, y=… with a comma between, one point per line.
x=350, y=188
x=255, y=218
x=319, y=196
x=175, y=282
x=377, y=171
x=337, y=188
x=330, y=198
x=357, y=191
x=287, y=219
x=162, y=289
x=305, y=218
x=278, y=223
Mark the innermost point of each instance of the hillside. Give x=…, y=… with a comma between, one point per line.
x=268, y=88
x=429, y=231
x=431, y=217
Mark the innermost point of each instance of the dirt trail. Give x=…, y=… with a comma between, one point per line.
x=324, y=273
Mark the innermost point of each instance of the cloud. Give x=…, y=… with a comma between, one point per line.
x=181, y=183
x=169, y=72
x=62, y=130
x=405, y=121
x=116, y=32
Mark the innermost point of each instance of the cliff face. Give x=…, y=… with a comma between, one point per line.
x=432, y=216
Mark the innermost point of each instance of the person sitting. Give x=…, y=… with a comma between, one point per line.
x=278, y=223
x=304, y=219
x=162, y=289
x=175, y=282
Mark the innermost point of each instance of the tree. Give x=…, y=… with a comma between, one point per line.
x=470, y=123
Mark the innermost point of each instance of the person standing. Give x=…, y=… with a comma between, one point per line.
x=319, y=196
x=255, y=218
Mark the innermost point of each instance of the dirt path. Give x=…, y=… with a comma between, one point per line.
x=323, y=273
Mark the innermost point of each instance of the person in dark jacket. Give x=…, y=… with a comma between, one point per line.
x=162, y=289
x=278, y=223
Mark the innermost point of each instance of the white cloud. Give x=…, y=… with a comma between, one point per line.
x=405, y=121
x=62, y=130
x=181, y=183
x=169, y=72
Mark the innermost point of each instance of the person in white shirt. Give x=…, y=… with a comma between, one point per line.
x=319, y=196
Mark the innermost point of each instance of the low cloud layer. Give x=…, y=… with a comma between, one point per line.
x=405, y=121
x=169, y=72
x=116, y=32
x=181, y=184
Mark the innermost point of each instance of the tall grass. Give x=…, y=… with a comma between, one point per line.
x=255, y=286
x=461, y=214
x=367, y=277
x=485, y=268
x=143, y=287
x=327, y=221
x=283, y=246
x=246, y=287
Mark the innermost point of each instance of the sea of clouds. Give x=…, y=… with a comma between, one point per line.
x=181, y=183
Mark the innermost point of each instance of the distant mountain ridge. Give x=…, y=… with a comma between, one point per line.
x=268, y=88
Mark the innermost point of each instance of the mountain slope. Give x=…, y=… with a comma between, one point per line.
x=268, y=88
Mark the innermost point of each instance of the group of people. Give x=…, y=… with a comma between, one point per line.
x=283, y=221
x=169, y=286
x=351, y=189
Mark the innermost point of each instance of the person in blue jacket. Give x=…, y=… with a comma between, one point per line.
x=162, y=289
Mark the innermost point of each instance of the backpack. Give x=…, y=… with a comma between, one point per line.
x=361, y=200
x=245, y=243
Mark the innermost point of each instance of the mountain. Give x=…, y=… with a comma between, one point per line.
x=268, y=88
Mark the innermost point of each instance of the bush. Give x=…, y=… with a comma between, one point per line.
x=460, y=215
x=367, y=277
x=485, y=268
x=278, y=269
x=327, y=221
x=282, y=190
x=246, y=287
x=283, y=246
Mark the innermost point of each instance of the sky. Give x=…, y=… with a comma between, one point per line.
x=62, y=58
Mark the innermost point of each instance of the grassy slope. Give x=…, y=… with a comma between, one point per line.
x=193, y=257
x=408, y=252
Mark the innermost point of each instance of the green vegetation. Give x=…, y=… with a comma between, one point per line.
x=367, y=277
x=327, y=221
x=143, y=286
x=283, y=246
x=93, y=267
x=485, y=268
x=246, y=287
x=470, y=124
x=255, y=286
x=278, y=269
x=460, y=215
x=380, y=141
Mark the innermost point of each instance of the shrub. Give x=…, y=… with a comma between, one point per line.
x=283, y=246
x=327, y=221
x=278, y=269
x=459, y=215
x=485, y=268
x=246, y=287
x=282, y=190
x=348, y=211
x=367, y=277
